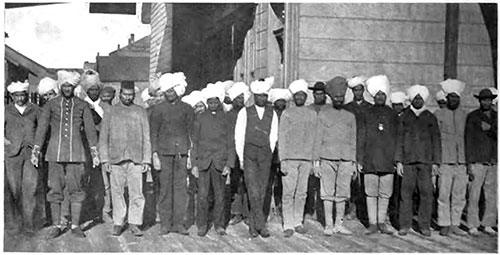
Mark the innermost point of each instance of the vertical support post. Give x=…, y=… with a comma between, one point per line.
x=451, y=41
x=291, y=63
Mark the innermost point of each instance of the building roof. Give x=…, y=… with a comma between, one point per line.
x=136, y=49
x=117, y=68
x=35, y=68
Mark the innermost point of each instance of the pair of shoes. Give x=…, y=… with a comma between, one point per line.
x=236, y=219
x=107, y=218
x=203, y=230
x=384, y=229
x=77, y=232
x=328, y=231
x=135, y=230
x=457, y=231
x=221, y=231
x=253, y=233
x=473, y=232
x=300, y=229
x=288, y=232
x=425, y=232
x=403, y=231
x=341, y=229
x=164, y=231
x=372, y=229
x=181, y=230
x=55, y=232
x=490, y=231
x=444, y=231
x=117, y=230
x=264, y=232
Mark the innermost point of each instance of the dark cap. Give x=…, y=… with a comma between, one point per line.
x=127, y=85
x=108, y=89
x=336, y=86
x=318, y=86
x=485, y=93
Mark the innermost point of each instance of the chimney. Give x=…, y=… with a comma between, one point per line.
x=131, y=39
x=118, y=46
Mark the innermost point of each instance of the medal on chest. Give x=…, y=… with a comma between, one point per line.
x=380, y=126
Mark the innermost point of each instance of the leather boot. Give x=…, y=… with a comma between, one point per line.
x=383, y=204
x=371, y=204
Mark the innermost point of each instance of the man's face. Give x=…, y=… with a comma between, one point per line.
x=107, y=97
x=399, y=107
x=358, y=91
x=239, y=101
x=67, y=90
x=160, y=97
x=20, y=98
x=93, y=92
x=127, y=96
x=453, y=101
x=49, y=95
x=260, y=99
x=213, y=104
x=199, y=107
x=300, y=98
x=442, y=104
x=227, y=100
x=319, y=97
x=418, y=102
x=380, y=98
x=280, y=105
x=171, y=95
x=485, y=103
x=338, y=101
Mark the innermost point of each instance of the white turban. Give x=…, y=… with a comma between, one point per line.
x=145, y=96
x=398, y=97
x=452, y=86
x=378, y=83
x=70, y=77
x=194, y=98
x=47, y=84
x=415, y=90
x=262, y=87
x=18, y=86
x=227, y=85
x=494, y=91
x=355, y=81
x=214, y=90
x=277, y=94
x=237, y=89
x=177, y=81
x=298, y=85
x=89, y=79
x=440, y=95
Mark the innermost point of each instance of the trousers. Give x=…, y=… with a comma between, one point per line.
x=127, y=174
x=452, y=188
x=211, y=179
x=485, y=178
x=416, y=175
x=173, y=191
x=294, y=191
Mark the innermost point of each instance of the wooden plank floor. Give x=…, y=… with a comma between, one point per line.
x=99, y=239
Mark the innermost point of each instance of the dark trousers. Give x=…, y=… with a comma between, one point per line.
x=192, y=190
x=210, y=179
x=257, y=167
x=94, y=187
x=314, y=203
x=274, y=190
x=416, y=176
x=393, y=209
x=239, y=196
x=173, y=192
x=21, y=181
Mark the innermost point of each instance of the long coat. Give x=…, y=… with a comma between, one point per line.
x=20, y=128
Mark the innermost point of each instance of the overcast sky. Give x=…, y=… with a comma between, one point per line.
x=66, y=35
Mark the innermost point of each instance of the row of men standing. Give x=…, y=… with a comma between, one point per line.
x=350, y=142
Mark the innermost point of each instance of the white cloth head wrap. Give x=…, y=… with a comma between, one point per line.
x=415, y=90
x=194, y=98
x=440, y=95
x=355, y=81
x=177, y=81
x=18, y=86
x=214, y=90
x=277, y=94
x=47, y=84
x=262, y=87
x=452, y=86
x=145, y=96
x=89, y=79
x=378, y=83
x=69, y=77
x=237, y=89
x=398, y=97
x=298, y=85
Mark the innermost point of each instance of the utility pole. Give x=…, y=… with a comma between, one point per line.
x=451, y=41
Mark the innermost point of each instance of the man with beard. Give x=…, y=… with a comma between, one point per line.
x=68, y=118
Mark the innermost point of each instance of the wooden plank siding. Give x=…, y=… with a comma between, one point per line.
x=158, y=27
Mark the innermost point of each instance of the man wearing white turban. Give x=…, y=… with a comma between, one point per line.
x=398, y=101
x=91, y=84
x=441, y=99
x=171, y=124
x=47, y=88
x=256, y=134
x=69, y=118
x=21, y=118
x=452, y=172
x=417, y=159
x=295, y=153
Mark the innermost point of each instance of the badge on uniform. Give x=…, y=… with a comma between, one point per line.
x=380, y=126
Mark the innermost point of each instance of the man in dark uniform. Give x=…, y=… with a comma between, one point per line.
x=67, y=117
x=256, y=134
x=21, y=178
x=171, y=125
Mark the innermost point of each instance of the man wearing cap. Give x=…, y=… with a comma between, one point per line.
x=481, y=157
x=452, y=172
x=256, y=134
x=239, y=94
x=21, y=120
x=379, y=147
x=295, y=153
x=334, y=155
x=441, y=99
x=212, y=159
x=69, y=118
x=279, y=98
x=171, y=125
x=314, y=204
x=358, y=106
x=418, y=154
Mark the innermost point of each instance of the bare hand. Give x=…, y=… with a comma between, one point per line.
x=241, y=165
x=226, y=171
x=35, y=153
x=145, y=168
x=95, y=156
x=435, y=169
x=156, y=161
x=107, y=167
x=469, y=173
x=399, y=169
x=6, y=142
x=485, y=126
x=317, y=169
x=195, y=172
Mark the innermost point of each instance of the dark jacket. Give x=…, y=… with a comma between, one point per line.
x=379, y=145
x=419, y=139
x=67, y=120
x=20, y=128
x=481, y=145
x=171, y=126
x=213, y=141
x=359, y=111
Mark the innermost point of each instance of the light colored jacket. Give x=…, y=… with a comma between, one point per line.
x=296, y=133
x=452, y=127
